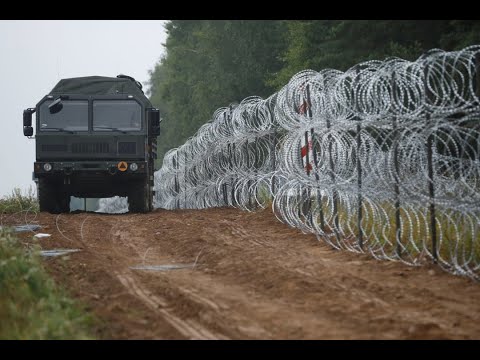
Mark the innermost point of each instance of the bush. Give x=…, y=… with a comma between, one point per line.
x=17, y=202
x=31, y=305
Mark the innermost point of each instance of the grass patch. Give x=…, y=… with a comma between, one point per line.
x=458, y=233
x=31, y=305
x=17, y=202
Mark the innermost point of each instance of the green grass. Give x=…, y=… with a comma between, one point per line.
x=458, y=235
x=17, y=202
x=31, y=305
x=264, y=195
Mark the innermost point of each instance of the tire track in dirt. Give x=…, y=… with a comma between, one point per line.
x=188, y=328
x=120, y=237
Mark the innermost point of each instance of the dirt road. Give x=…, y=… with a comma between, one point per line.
x=246, y=276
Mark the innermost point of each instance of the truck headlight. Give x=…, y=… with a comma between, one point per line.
x=47, y=166
x=133, y=166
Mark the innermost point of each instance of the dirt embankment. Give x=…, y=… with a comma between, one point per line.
x=247, y=276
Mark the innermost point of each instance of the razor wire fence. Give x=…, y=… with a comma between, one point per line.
x=383, y=158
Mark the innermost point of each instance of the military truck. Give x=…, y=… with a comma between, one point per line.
x=96, y=137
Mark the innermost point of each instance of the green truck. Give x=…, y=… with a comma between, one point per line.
x=96, y=137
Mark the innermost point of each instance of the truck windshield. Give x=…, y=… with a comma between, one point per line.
x=72, y=117
x=116, y=115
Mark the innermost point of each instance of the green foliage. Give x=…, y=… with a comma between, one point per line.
x=211, y=63
x=460, y=34
x=17, y=202
x=31, y=305
x=340, y=44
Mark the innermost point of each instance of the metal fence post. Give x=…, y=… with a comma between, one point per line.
x=256, y=170
x=274, y=160
x=177, y=187
x=395, y=143
x=231, y=162
x=334, y=191
x=248, y=182
x=185, y=180
x=315, y=162
x=224, y=184
x=359, y=180
x=274, y=142
x=431, y=187
x=477, y=75
x=306, y=192
x=359, y=186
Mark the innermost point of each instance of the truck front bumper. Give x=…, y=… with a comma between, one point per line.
x=114, y=168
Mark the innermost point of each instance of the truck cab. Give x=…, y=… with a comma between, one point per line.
x=95, y=137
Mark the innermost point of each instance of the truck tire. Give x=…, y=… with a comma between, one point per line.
x=51, y=199
x=150, y=199
x=138, y=199
x=63, y=203
x=150, y=203
x=46, y=196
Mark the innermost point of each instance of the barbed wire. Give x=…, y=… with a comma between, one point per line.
x=383, y=158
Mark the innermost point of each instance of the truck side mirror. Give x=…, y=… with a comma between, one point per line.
x=153, y=121
x=27, y=121
x=27, y=116
x=27, y=130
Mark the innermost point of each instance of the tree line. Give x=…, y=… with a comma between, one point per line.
x=209, y=64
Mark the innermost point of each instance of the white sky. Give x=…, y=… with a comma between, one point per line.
x=35, y=55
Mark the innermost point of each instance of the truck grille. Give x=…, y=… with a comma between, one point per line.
x=90, y=148
x=127, y=147
x=54, y=147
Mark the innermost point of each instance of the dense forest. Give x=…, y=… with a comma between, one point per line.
x=212, y=63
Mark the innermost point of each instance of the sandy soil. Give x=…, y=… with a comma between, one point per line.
x=248, y=277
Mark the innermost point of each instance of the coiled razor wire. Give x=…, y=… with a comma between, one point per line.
x=383, y=158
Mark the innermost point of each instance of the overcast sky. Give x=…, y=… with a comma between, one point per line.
x=35, y=55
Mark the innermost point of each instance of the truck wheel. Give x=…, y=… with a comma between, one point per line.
x=63, y=203
x=150, y=199
x=138, y=199
x=51, y=199
x=46, y=196
x=150, y=203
